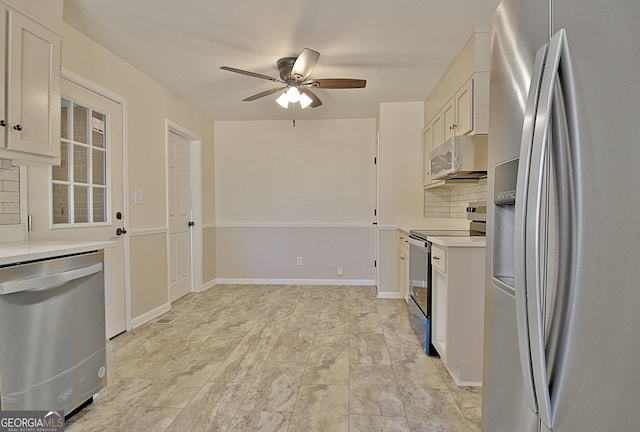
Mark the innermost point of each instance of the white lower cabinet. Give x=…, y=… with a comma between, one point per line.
x=458, y=310
x=403, y=265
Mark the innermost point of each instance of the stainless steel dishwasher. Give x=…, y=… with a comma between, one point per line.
x=52, y=333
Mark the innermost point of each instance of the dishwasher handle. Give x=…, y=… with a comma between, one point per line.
x=42, y=283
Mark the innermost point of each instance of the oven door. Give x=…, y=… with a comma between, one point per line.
x=420, y=274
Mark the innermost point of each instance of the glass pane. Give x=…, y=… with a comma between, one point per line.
x=81, y=204
x=97, y=129
x=99, y=167
x=80, y=124
x=64, y=114
x=80, y=162
x=81, y=177
x=60, y=204
x=61, y=172
x=99, y=205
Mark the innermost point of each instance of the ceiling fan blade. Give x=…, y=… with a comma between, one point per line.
x=264, y=93
x=251, y=74
x=316, y=102
x=339, y=83
x=304, y=64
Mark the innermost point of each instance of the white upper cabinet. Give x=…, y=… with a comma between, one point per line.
x=449, y=116
x=463, y=123
x=438, y=129
x=45, y=12
x=459, y=104
x=428, y=146
x=29, y=90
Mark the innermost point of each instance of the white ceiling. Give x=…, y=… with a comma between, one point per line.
x=400, y=47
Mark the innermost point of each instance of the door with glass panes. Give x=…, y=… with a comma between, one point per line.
x=82, y=198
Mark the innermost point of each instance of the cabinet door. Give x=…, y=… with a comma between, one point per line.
x=438, y=129
x=403, y=266
x=440, y=312
x=428, y=146
x=33, y=88
x=464, y=109
x=404, y=276
x=449, y=115
x=3, y=75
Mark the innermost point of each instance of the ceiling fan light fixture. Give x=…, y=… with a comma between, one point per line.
x=295, y=75
x=283, y=100
x=293, y=95
x=305, y=100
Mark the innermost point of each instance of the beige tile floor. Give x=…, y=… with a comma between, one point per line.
x=279, y=359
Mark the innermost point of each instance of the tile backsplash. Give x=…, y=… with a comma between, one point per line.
x=452, y=203
x=9, y=193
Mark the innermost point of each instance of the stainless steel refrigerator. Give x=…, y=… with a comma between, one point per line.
x=562, y=344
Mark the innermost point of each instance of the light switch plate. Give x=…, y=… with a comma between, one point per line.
x=138, y=197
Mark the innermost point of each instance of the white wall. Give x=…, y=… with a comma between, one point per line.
x=400, y=183
x=149, y=105
x=283, y=192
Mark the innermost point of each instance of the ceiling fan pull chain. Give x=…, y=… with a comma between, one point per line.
x=294, y=115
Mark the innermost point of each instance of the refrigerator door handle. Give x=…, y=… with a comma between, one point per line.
x=522, y=199
x=557, y=55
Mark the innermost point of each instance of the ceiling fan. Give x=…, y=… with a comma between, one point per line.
x=294, y=75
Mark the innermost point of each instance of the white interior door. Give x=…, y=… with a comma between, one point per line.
x=82, y=198
x=179, y=203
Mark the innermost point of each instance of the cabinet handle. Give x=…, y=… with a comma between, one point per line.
x=436, y=258
x=3, y=123
x=18, y=127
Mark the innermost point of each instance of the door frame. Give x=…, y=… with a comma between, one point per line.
x=104, y=92
x=195, y=182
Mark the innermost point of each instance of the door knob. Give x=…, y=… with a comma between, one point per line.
x=18, y=127
x=121, y=231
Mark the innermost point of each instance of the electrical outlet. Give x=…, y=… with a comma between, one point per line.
x=340, y=271
x=299, y=261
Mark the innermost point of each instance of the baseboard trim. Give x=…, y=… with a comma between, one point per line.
x=208, y=285
x=334, y=282
x=148, y=316
x=390, y=295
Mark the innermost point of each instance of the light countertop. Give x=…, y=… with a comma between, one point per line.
x=407, y=224
x=15, y=252
x=462, y=241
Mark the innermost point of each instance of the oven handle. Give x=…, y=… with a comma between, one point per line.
x=419, y=243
